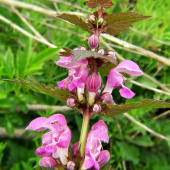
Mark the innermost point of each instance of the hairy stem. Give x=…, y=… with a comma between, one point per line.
x=84, y=131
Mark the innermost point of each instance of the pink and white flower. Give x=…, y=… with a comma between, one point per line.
x=54, y=143
x=93, y=154
x=78, y=73
x=115, y=79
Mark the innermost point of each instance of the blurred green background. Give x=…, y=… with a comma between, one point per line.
x=131, y=147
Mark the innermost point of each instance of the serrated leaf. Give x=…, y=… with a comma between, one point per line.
x=82, y=54
x=107, y=167
x=99, y=3
x=41, y=88
x=113, y=110
x=117, y=23
x=75, y=20
x=66, y=52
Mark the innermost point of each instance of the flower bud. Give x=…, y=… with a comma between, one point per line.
x=92, y=18
x=70, y=165
x=97, y=108
x=48, y=162
x=107, y=98
x=71, y=101
x=101, y=51
x=80, y=48
x=93, y=83
x=111, y=53
x=86, y=20
x=100, y=21
x=93, y=41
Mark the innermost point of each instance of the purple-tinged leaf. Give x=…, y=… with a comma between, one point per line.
x=65, y=53
x=82, y=54
x=41, y=88
x=113, y=110
x=117, y=23
x=75, y=20
x=99, y=3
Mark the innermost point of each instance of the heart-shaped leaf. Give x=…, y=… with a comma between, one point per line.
x=113, y=110
x=99, y=3
x=82, y=54
x=117, y=23
x=41, y=88
x=75, y=20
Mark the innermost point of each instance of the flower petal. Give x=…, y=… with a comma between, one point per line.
x=103, y=157
x=126, y=93
x=64, y=84
x=88, y=163
x=61, y=153
x=57, y=119
x=129, y=67
x=114, y=80
x=64, y=139
x=37, y=124
x=75, y=148
x=47, y=138
x=66, y=62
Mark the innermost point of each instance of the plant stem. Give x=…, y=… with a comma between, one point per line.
x=84, y=131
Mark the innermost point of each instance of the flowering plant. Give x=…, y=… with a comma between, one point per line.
x=82, y=90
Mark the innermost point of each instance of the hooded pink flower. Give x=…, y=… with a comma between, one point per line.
x=115, y=79
x=78, y=72
x=93, y=154
x=56, y=142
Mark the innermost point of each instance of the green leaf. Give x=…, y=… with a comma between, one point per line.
x=107, y=167
x=113, y=110
x=9, y=62
x=82, y=54
x=44, y=55
x=23, y=59
x=130, y=152
x=9, y=128
x=105, y=69
x=117, y=23
x=144, y=141
x=41, y=88
x=99, y=3
x=75, y=20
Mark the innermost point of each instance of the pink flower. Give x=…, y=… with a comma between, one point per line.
x=93, y=41
x=93, y=154
x=107, y=98
x=115, y=79
x=56, y=142
x=78, y=73
x=48, y=162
